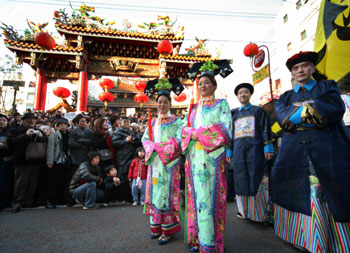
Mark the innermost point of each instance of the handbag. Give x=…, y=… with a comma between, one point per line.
x=105, y=154
x=63, y=158
x=36, y=150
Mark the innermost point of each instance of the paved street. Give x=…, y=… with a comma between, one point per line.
x=121, y=228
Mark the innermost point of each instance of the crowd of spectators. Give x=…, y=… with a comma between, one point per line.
x=48, y=160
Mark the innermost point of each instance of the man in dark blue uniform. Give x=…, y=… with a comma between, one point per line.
x=310, y=179
x=252, y=145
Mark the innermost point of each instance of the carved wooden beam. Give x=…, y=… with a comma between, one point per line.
x=62, y=75
x=33, y=61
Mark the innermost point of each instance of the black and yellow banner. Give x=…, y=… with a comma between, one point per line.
x=332, y=40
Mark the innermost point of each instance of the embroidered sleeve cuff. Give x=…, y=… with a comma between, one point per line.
x=268, y=148
x=229, y=152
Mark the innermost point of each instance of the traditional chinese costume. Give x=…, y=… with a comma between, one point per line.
x=205, y=173
x=251, y=135
x=310, y=179
x=163, y=175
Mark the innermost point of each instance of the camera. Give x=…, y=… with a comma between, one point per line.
x=36, y=132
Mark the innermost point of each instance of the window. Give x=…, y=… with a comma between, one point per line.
x=285, y=18
x=303, y=35
x=299, y=4
x=289, y=46
x=30, y=96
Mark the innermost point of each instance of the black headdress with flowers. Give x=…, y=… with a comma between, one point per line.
x=163, y=86
x=221, y=67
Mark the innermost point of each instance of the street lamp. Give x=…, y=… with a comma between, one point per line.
x=257, y=57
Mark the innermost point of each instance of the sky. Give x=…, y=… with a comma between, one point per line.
x=227, y=24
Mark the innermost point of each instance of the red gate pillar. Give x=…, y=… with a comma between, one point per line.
x=83, y=90
x=40, y=91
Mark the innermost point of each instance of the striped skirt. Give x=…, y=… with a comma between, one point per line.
x=316, y=233
x=254, y=207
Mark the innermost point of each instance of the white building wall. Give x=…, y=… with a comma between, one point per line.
x=303, y=19
x=283, y=33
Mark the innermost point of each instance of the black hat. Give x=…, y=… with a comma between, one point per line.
x=221, y=67
x=29, y=115
x=125, y=118
x=4, y=116
x=244, y=85
x=78, y=117
x=307, y=56
x=163, y=86
x=108, y=168
x=62, y=120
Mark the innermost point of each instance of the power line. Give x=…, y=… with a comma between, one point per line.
x=168, y=10
x=165, y=8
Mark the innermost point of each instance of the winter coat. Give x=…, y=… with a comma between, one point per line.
x=87, y=173
x=79, y=144
x=124, y=150
x=18, y=141
x=136, y=166
x=109, y=185
x=5, y=153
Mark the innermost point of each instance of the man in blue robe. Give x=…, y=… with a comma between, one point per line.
x=252, y=145
x=310, y=180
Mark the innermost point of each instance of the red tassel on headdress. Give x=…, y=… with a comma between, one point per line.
x=189, y=113
x=150, y=124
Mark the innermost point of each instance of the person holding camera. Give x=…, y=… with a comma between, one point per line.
x=22, y=140
x=124, y=143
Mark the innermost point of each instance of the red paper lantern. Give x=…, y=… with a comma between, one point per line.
x=180, y=98
x=44, y=39
x=61, y=92
x=141, y=98
x=106, y=96
x=251, y=49
x=140, y=85
x=165, y=47
x=106, y=83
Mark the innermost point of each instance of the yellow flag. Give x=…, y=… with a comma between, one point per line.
x=332, y=39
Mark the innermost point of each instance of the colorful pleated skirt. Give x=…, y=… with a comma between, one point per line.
x=316, y=233
x=254, y=207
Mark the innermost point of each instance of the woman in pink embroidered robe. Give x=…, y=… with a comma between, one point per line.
x=204, y=144
x=163, y=176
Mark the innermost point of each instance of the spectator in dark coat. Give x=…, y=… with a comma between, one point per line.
x=26, y=171
x=80, y=140
x=111, y=184
x=86, y=182
x=6, y=168
x=102, y=141
x=124, y=144
x=79, y=143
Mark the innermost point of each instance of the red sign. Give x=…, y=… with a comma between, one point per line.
x=259, y=59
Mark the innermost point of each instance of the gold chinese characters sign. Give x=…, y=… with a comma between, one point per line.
x=261, y=74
